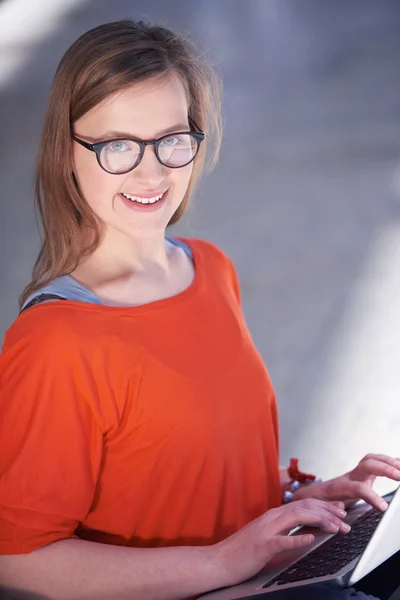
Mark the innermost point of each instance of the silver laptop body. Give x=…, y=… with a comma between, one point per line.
x=384, y=541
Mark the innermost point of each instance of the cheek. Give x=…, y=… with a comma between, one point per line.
x=95, y=184
x=183, y=177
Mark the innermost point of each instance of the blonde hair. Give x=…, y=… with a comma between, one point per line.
x=101, y=62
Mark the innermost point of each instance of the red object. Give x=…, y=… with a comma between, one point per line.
x=297, y=475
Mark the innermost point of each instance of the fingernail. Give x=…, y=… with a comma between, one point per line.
x=383, y=505
x=342, y=513
x=346, y=527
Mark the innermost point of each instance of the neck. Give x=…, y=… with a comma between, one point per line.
x=120, y=258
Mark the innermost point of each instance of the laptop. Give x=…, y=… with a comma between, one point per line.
x=342, y=559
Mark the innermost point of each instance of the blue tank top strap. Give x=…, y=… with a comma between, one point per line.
x=62, y=288
x=182, y=245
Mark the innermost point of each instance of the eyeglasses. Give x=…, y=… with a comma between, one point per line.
x=119, y=156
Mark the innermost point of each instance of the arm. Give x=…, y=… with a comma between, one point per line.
x=79, y=570
x=75, y=570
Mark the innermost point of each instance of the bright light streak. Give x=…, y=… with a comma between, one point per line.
x=24, y=24
x=356, y=409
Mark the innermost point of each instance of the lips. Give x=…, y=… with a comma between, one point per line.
x=146, y=205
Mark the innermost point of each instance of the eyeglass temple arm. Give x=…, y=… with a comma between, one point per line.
x=83, y=143
x=194, y=125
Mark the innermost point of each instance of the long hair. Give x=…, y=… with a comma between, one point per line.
x=103, y=61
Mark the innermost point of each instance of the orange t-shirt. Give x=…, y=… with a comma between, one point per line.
x=142, y=426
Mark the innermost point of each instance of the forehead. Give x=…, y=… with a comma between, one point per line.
x=144, y=109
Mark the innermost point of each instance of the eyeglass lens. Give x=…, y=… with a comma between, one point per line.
x=173, y=151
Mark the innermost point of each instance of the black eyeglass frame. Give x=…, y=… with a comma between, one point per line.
x=98, y=146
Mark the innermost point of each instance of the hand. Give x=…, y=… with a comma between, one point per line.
x=356, y=484
x=245, y=553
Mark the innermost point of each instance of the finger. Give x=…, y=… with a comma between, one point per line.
x=331, y=523
x=310, y=511
x=382, y=468
x=282, y=542
x=394, y=462
x=339, y=504
x=336, y=507
x=364, y=492
x=382, y=457
x=316, y=516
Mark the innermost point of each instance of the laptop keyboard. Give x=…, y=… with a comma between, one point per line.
x=333, y=555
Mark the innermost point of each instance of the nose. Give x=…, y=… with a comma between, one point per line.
x=149, y=172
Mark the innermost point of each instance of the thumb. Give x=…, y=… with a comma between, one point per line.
x=289, y=542
x=338, y=503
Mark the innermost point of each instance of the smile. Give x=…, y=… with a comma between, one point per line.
x=143, y=200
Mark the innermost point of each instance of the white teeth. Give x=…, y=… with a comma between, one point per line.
x=142, y=200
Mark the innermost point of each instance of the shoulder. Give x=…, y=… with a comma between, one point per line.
x=49, y=329
x=212, y=252
x=216, y=261
x=63, y=287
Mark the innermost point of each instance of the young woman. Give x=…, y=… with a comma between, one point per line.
x=138, y=423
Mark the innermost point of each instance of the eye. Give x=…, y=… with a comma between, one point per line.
x=171, y=141
x=118, y=146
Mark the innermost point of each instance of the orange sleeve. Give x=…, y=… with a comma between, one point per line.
x=50, y=441
x=229, y=268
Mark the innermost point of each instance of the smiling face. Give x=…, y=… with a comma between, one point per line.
x=145, y=111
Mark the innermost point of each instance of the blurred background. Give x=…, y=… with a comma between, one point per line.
x=305, y=200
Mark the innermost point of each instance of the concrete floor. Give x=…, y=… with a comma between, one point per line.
x=309, y=209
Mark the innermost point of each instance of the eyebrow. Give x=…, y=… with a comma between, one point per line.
x=109, y=135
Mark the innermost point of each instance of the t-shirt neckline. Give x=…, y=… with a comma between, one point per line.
x=155, y=304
